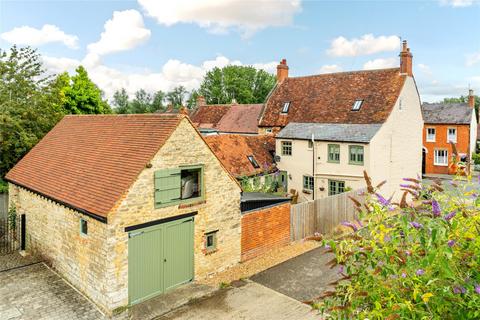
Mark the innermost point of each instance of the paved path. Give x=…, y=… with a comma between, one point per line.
x=303, y=278
x=248, y=301
x=36, y=292
x=15, y=260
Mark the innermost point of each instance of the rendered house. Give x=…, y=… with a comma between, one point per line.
x=333, y=126
x=447, y=123
x=231, y=118
x=126, y=207
x=250, y=159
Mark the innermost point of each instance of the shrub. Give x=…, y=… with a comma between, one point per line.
x=417, y=261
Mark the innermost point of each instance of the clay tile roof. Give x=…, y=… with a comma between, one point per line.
x=241, y=118
x=232, y=150
x=446, y=113
x=89, y=162
x=209, y=115
x=328, y=98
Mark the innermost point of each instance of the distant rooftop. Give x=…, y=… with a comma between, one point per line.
x=446, y=113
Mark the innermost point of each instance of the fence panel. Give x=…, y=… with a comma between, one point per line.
x=322, y=215
x=3, y=205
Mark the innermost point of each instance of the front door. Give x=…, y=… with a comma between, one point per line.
x=160, y=257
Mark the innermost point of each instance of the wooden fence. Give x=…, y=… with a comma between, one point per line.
x=3, y=205
x=322, y=215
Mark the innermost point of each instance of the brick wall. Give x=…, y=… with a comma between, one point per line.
x=463, y=143
x=265, y=229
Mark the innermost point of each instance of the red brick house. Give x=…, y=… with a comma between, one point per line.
x=444, y=124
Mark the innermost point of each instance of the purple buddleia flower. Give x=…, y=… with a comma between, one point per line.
x=350, y=225
x=459, y=290
x=382, y=200
x=451, y=243
x=416, y=225
x=359, y=222
x=449, y=216
x=341, y=269
x=420, y=272
x=477, y=289
x=408, y=252
x=327, y=246
x=436, y=208
x=404, y=275
x=404, y=185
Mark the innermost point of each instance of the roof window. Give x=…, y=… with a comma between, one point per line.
x=253, y=161
x=357, y=105
x=286, y=106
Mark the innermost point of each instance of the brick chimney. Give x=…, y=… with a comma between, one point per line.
x=200, y=101
x=406, y=60
x=183, y=110
x=282, y=70
x=471, y=98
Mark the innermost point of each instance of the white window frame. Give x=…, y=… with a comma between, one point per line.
x=357, y=105
x=434, y=134
x=436, y=157
x=448, y=135
x=286, y=107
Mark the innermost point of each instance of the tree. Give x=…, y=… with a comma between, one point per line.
x=464, y=99
x=120, y=101
x=245, y=84
x=82, y=96
x=192, y=99
x=176, y=97
x=143, y=102
x=31, y=103
x=157, y=102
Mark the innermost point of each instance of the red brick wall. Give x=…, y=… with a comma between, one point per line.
x=463, y=140
x=265, y=229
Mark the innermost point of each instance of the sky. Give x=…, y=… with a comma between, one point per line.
x=157, y=45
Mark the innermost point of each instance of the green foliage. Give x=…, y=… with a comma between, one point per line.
x=245, y=84
x=176, y=97
x=143, y=102
x=3, y=186
x=12, y=218
x=476, y=158
x=411, y=262
x=82, y=96
x=269, y=184
x=31, y=103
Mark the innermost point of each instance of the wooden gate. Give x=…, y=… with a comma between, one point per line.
x=10, y=234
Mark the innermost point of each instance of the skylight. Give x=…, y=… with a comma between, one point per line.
x=286, y=105
x=253, y=161
x=357, y=105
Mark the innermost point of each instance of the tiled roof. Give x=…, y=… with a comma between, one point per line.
x=231, y=118
x=241, y=118
x=446, y=113
x=209, y=115
x=361, y=133
x=328, y=98
x=233, y=149
x=89, y=162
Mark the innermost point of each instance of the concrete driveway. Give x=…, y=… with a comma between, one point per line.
x=246, y=301
x=303, y=278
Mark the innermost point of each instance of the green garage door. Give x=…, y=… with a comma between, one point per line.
x=160, y=258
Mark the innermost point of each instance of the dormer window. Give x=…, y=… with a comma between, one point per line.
x=286, y=106
x=253, y=161
x=357, y=105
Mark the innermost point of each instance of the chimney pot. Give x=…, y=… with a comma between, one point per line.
x=471, y=98
x=406, y=60
x=282, y=70
x=200, y=101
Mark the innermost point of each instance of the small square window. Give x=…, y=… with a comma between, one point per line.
x=286, y=148
x=253, y=161
x=211, y=241
x=333, y=153
x=430, y=134
x=452, y=135
x=356, y=155
x=83, y=227
x=308, y=183
x=286, y=106
x=357, y=105
x=269, y=130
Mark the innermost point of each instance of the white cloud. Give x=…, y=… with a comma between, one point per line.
x=457, y=3
x=26, y=35
x=367, y=44
x=124, y=31
x=173, y=73
x=425, y=69
x=472, y=59
x=246, y=17
x=330, y=68
x=381, y=63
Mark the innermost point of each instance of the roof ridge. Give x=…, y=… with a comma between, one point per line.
x=344, y=72
x=154, y=114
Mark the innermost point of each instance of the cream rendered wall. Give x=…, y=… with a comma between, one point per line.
x=473, y=133
x=220, y=211
x=300, y=163
x=396, y=149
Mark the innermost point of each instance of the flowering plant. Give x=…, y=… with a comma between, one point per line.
x=410, y=261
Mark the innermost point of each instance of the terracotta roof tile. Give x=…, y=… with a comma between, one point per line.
x=328, y=98
x=88, y=162
x=232, y=150
x=209, y=115
x=241, y=118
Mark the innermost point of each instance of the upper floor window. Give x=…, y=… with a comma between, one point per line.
x=440, y=157
x=178, y=185
x=452, y=135
x=286, y=148
x=286, y=106
x=431, y=134
x=334, y=153
x=356, y=155
x=357, y=105
x=253, y=161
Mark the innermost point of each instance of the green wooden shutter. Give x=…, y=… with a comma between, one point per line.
x=167, y=187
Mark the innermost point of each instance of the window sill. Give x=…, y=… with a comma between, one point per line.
x=336, y=162
x=356, y=164
x=192, y=204
x=440, y=165
x=429, y=140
